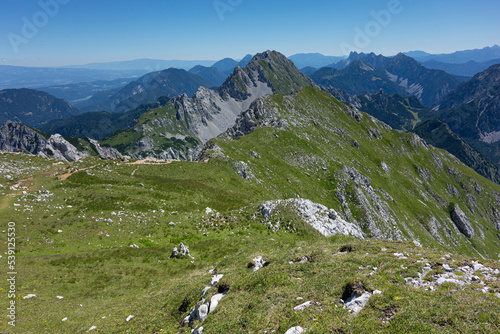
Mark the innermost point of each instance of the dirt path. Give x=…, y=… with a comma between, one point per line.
x=64, y=176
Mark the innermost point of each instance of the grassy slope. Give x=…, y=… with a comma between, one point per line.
x=104, y=209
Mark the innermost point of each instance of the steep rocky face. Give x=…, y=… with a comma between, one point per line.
x=17, y=137
x=32, y=107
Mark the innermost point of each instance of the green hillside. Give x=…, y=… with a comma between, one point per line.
x=100, y=233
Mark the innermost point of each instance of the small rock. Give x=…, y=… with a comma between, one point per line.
x=171, y=224
x=295, y=330
x=59, y=297
x=216, y=279
x=303, y=306
x=447, y=267
x=377, y=292
x=29, y=296
x=198, y=330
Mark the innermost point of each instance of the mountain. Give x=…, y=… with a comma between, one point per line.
x=459, y=57
x=304, y=212
x=357, y=78
x=77, y=93
x=317, y=60
x=400, y=74
x=175, y=129
x=309, y=145
x=34, y=77
x=468, y=69
x=227, y=65
x=148, y=89
x=472, y=111
x=308, y=70
x=17, y=137
x=32, y=107
x=439, y=134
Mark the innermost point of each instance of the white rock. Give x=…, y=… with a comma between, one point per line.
x=197, y=330
x=59, y=231
x=259, y=263
x=377, y=292
x=303, y=306
x=215, y=301
x=202, y=312
x=59, y=297
x=129, y=318
x=31, y=295
x=216, y=279
x=447, y=267
x=295, y=330
x=171, y=224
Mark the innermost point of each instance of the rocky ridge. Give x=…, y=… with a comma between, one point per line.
x=17, y=137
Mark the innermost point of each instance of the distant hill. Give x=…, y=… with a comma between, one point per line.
x=145, y=65
x=210, y=73
x=32, y=107
x=148, y=89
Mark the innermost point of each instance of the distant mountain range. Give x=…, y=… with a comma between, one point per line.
x=361, y=73
x=459, y=57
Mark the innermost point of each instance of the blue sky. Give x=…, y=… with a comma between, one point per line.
x=84, y=31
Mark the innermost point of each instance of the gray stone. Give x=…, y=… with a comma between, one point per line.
x=303, y=306
x=355, y=303
x=462, y=222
